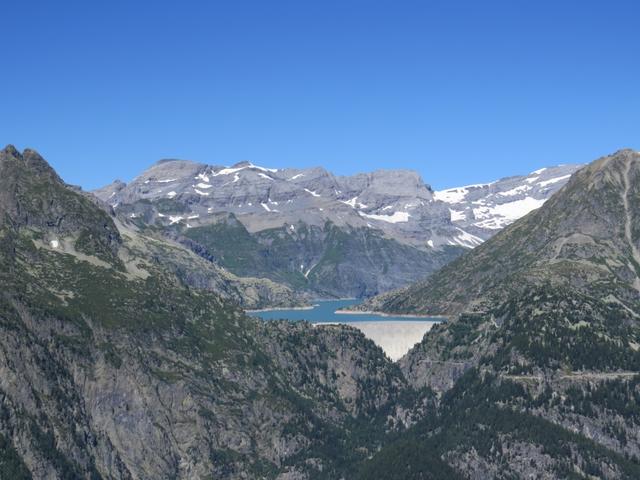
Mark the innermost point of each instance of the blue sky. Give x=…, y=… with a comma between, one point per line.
x=462, y=91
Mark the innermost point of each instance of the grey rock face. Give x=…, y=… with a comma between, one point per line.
x=397, y=202
x=398, y=209
x=485, y=209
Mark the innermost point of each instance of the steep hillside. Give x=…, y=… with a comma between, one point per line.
x=112, y=367
x=537, y=370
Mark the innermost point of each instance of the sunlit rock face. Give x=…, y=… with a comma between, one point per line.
x=313, y=231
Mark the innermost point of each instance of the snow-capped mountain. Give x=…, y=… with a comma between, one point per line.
x=484, y=209
x=396, y=202
x=334, y=235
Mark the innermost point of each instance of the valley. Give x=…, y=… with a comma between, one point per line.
x=126, y=351
x=394, y=334
x=336, y=240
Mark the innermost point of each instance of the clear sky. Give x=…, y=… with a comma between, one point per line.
x=462, y=91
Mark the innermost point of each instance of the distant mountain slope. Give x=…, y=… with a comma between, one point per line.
x=578, y=238
x=537, y=369
x=313, y=231
x=483, y=209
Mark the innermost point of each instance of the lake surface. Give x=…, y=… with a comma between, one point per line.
x=324, y=312
x=396, y=335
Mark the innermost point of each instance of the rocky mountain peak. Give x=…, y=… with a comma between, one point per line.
x=10, y=150
x=33, y=196
x=242, y=164
x=29, y=160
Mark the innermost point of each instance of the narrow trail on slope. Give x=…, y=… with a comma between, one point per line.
x=600, y=376
x=627, y=224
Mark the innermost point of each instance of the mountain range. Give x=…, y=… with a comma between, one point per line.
x=318, y=233
x=120, y=359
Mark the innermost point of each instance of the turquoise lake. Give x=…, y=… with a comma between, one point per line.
x=324, y=311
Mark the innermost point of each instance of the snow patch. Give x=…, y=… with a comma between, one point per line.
x=509, y=212
x=457, y=216
x=201, y=193
x=299, y=175
x=173, y=220
x=266, y=207
x=395, y=217
x=272, y=170
x=515, y=191
x=54, y=243
x=171, y=194
x=553, y=180
x=311, y=192
x=229, y=171
x=465, y=239
x=457, y=194
x=204, y=186
x=306, y=274
x=353, y=203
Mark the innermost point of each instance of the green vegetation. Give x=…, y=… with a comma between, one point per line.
x=11, y=465
x=475, y=415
